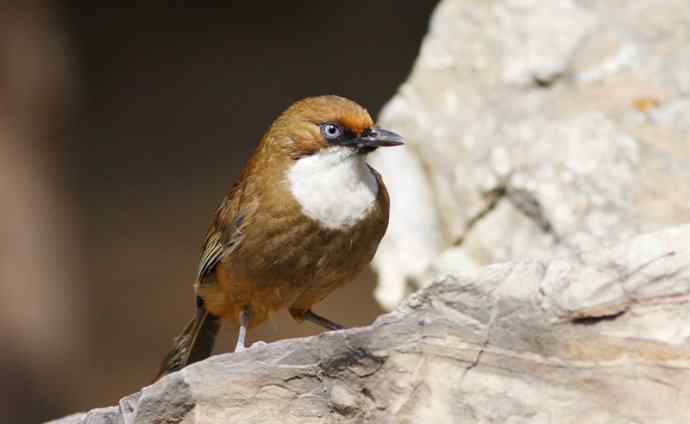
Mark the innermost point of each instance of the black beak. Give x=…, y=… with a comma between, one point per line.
x=372, y=138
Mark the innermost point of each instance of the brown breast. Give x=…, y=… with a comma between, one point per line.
x=288, y=259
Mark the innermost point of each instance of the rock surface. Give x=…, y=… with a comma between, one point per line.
x=600, y=336
x=536, y=127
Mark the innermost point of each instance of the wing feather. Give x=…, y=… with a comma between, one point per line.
x=221, y=240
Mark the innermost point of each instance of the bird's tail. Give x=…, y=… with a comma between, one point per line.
x=195, y=343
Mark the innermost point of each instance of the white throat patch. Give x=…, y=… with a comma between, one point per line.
x=334, y=187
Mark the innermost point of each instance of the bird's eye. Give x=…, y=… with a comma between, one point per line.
x=331, y=131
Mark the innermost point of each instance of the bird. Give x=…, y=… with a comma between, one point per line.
x=305, y=216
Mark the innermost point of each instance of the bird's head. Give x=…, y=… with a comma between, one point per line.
x=328, y=122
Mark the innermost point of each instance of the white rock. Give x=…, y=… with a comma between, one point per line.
x=578, y=110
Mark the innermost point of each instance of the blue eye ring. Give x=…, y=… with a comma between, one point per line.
x=331, y=131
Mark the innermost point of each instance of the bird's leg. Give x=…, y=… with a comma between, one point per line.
x=321, y=321
x=242, y=335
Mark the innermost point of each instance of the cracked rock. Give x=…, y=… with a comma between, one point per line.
x=598, y=336
x=578, y=107
x=342, y=399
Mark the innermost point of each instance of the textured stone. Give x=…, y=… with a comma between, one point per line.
x=599, y=336
x=561, y=124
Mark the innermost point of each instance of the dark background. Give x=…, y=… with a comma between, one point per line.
x=120, y=131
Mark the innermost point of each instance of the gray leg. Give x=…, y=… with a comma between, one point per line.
x=244, y=321
x=321, y=321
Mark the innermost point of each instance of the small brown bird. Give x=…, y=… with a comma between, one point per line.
x=304, y=218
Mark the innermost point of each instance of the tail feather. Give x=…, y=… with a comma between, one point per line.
x=194, y=344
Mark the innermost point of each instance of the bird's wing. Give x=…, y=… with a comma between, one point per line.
x=224, y=235
x=232, y=219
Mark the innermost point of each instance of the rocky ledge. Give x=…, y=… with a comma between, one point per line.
x=600, y=336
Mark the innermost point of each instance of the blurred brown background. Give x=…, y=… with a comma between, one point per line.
x=120, y=130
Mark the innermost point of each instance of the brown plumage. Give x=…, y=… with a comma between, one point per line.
x=273, y=245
